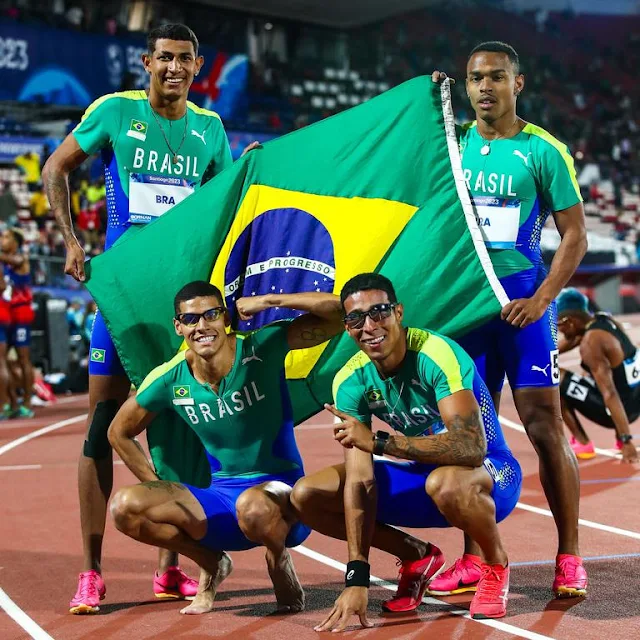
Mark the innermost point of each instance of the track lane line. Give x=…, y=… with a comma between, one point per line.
x=450, y=608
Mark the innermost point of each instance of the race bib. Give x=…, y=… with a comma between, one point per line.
x=499, y=221
x=632, y=370
x=151, y=196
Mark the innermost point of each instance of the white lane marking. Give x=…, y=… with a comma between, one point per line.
x=41, y=432
x=19, y=616
x=21, y=467
x=6, y=603
x=495, y=624
x=584, y=523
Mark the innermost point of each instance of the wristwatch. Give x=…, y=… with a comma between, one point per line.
x=380, y=441
x=625, y=438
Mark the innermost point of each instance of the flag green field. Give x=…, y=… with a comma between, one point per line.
x=376, y=188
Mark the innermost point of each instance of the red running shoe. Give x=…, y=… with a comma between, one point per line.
x=460, y=577
x=571, y=577
x=174, y=584
x=492, y=595
x=90, y=591
x=414, y=577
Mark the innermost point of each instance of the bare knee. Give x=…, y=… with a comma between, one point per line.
x=257, y=514
x=126, y=508
x=447, y=491
x=302, y=495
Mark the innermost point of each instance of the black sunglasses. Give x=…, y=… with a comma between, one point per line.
x=192, y=319
x=356, y=319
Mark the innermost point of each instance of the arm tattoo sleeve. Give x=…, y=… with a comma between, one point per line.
x=464, y=444
x=57, y=188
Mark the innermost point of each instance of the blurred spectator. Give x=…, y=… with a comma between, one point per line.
x=29, y=164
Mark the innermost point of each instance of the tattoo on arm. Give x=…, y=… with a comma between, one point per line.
x=57, y=188
x=464, y=444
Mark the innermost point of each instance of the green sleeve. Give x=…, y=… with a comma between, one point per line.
x=558, y=181
x=445, y=367
x=99, y=125
x=153, y=394
x=349, y=396
x=272, y=340
x=222, y=158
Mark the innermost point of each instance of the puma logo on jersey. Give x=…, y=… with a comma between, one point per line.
x=253, y=356
x=525, y=159
x=199, y=135
x=535, y=367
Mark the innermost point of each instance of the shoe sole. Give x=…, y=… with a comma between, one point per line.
x=169, y=595
x=484, y=616
x=570, y=592
x=421, y=595
x=83, y=609
x=454, y=592
x=585, y=456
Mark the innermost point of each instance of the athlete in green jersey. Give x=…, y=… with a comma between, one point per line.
x=231, y=390
x=459, y=473
x=517, y=175
x=157, y=148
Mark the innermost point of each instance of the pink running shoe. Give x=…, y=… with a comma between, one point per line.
x=582, y=451
x=90, y=591
x=492, y=595
x=571, y=577
x=461, y=577
x=174, y=584
x=414, y=577
x=618, y=444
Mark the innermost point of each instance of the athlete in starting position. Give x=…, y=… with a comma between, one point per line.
x=231, y=390
x=609, y=393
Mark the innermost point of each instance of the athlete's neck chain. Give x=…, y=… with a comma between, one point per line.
x=485, y=150
x=392, y=386
x=174, y=154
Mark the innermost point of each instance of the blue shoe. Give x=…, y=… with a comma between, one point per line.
x=23, y=412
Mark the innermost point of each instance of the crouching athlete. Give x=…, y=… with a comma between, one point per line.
x=231, y=390
x=459, y=473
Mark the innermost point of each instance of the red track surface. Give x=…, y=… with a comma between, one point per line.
x=40, y=555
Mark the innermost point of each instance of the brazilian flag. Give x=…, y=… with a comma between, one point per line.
x=376, y=188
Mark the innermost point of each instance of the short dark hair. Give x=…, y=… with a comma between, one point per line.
x=171, y=32
x=368, y=282
x=196, y=289
x=18, y=234
x=496, y=46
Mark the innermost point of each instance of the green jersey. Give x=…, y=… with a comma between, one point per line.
x=434, y=368
x=514, y=188
x=150, y=163
x=247, y=426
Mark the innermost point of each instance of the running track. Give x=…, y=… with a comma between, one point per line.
x=40, y=553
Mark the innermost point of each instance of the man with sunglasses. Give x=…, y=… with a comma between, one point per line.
x=460, y=471
x=230, y=388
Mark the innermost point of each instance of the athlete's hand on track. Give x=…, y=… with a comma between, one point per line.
x=629, y=453
x=250, y=305
x=524, y=311
x=441, y=76
x=352, y=601
x=74, y=265
x=254, y=145
x=351, y=432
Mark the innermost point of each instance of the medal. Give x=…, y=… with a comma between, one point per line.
x=485, y=150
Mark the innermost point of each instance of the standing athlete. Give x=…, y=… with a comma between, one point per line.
x=460, y=471
x=231, y=390
x=517, y=175
x=18, y=291
x=609, y=393
x=157, y=148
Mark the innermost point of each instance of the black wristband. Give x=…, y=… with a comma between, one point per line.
x=380, y=442
x=625, y=438
x=357, y=574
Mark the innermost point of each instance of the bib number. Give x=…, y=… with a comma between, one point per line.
x=152, y=196
x=632, y=370
x=499, y=221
